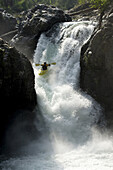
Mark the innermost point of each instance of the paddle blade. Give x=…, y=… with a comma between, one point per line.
x=37, y=64
x=53, y=63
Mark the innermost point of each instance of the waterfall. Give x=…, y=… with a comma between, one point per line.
x=70, y=139
x=68, y=112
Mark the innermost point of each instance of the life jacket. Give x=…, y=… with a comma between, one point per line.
x=44, y=66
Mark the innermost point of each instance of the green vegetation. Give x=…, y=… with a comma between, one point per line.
x=16, y=6
x=99, y=4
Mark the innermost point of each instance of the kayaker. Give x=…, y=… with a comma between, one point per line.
x=44, y=66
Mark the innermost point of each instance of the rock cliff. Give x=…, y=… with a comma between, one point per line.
x=96, y=76
x=16, y=84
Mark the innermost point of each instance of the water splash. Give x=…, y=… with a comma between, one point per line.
x=69, y=114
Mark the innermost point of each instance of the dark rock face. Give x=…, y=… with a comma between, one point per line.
x=37, y=20
x=96, y=76
x=7, y=22
x=17, y=78
x=16, y=84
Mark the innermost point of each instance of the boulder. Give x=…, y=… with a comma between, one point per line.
x=37, y=20
x=96, y=77
x=16, y=85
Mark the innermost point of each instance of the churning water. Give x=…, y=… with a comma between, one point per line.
x=70, y=140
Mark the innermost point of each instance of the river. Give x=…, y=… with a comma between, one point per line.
x=72, y=137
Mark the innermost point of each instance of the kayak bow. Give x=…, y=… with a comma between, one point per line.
x=42, y=72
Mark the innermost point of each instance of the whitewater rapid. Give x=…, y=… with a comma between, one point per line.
x=70, y=136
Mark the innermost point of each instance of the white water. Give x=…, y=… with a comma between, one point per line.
x=71, y=140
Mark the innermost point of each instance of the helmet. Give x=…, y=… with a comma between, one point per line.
x=44, y=62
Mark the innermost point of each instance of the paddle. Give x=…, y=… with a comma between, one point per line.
x=40, y=64
x=53, y=63
x=37, y=64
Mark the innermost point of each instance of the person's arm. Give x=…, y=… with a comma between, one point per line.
x=48, y=65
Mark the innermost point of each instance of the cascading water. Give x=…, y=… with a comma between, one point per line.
x=72, y=141
x=68, y=113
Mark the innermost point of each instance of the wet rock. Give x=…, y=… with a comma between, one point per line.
x=16, y=84
x=37, y=20
x=96, y=77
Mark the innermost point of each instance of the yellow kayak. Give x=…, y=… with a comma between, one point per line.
x=42, y=72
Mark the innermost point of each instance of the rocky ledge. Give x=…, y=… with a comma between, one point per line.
x=35, y=21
